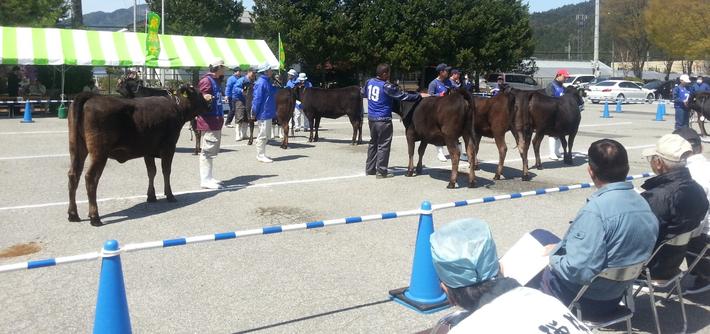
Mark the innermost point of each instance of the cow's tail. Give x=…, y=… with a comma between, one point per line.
x=76, y=118
x=471, y=112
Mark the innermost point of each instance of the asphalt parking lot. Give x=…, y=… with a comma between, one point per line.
x=330, y=280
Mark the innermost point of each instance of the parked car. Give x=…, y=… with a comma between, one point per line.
x=661, y=89
x=612, y=90
x=579, y=80
x=515, y=80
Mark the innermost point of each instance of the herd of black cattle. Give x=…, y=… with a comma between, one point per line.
x=147, y=123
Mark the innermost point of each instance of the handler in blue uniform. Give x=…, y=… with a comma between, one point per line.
x=681, y=95
x=555, y=89
x=380, y=94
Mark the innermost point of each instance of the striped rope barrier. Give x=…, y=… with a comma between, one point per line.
x=34, y=101
x=291, y=227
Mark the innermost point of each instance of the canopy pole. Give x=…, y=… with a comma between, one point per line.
x=63, y=96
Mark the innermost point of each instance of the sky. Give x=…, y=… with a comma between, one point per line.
x=110, y=5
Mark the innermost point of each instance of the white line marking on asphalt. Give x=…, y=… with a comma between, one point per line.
x=35, y=156
x=229, y=187
x=265, y=185
x=31, y=132
x=603, y=124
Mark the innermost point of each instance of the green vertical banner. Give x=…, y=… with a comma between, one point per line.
x=152, y=41
x=282, y=55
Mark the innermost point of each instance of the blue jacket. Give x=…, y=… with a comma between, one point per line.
x=615, y=228
x=380, y=95
x=680, y=96
x=703, y=87
x=264, y=104
x=292, y=83
x=238, y=90
x=229, y=90
x=555, y=89
x=437, y=87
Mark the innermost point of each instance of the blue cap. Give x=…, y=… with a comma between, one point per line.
x=464, y=253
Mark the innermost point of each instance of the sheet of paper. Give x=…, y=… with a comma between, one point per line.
x=524, y=260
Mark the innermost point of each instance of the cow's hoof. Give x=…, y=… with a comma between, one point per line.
x=568, y=161
x=472, y=184
x=496, y=177
x=409, y=174
x=171, y=199
x=284, y=146
x=73, y=217
x=526, y=177
x=151, y=199
x=250, y=142
x=451, y=185
x=96, y=222
x=353, y=143
x=539, y=167
x=195, y=153
x=315, y=140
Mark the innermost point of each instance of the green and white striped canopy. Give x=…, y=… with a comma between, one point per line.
x=51, y=46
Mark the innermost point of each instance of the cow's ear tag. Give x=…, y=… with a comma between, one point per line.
x=184, y=94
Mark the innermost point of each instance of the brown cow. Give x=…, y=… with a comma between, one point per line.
x=556, y=117
x=332, y=103
x=495, y=116
x=123, y=129
x=441, y=120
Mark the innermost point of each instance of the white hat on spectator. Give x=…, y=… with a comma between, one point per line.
x=217, y=62
x=302, y=77
x=670, y=147
x=685, y=78
x=264, y=67
x=292, y=72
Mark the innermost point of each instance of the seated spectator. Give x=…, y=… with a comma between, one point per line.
x=465, y=260
x=91, y=87
x=35, y=88
x=616, y=228
x=679, y=203
x=699, y=167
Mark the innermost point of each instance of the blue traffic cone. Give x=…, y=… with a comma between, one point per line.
x=663, y=108
x=605, y=113
x=618, y=105
x=660, y=111
x=111, y=305
x=424, y=293
x=28, y=113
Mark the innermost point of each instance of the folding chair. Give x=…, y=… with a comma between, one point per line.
x=698, y=257
x=679, y=240
x=622, y=312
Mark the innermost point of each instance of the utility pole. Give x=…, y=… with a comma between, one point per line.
x=135, y=14
x=162, y=32
x=596, y=38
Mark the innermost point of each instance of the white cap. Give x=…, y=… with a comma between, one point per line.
x=292, y=72
x=302, y=77
x=685, y=78
x=671, y=147
x=217, y=62
x=264, y=67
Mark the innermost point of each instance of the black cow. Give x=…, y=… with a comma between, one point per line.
x=700, y=103
x=332, y=103
x=130, y=87
x=123, y=129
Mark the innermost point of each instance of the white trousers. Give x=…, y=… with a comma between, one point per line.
x=554, y=146
x=263, y=137
x=210, y=143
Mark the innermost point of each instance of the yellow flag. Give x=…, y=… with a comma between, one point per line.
x=282, y=54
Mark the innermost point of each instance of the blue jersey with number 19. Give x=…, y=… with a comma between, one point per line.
x=379, y=103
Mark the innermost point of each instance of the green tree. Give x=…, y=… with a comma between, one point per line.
x=214, y=18
x=676, y=40
x=625, y=20
x=32, y=13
